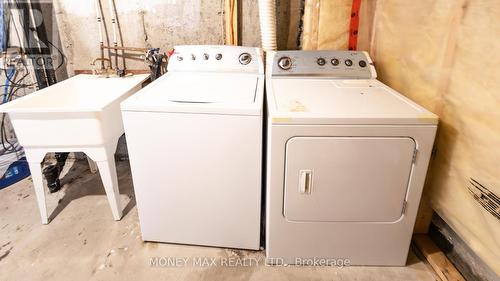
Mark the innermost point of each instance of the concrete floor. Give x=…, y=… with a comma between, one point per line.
x=82, y=242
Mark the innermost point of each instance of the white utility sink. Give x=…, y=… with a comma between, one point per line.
x=80, y=114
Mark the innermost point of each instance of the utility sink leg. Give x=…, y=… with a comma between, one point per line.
x=36, y=175
x=107, y=170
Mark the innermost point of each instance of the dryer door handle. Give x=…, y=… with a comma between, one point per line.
x=305, y=181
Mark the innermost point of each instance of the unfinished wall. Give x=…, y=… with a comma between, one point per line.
x=444, y=55
x=152, y=23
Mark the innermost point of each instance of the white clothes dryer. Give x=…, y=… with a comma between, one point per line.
x=347, y=158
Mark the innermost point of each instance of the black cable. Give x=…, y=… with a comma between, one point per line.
x=3, y=134
x=22, y=51
x=3, y=137
x=60, y=52
x=16, y=84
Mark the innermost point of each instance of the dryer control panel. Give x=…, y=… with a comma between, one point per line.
x=214, y=58
x=332, y=64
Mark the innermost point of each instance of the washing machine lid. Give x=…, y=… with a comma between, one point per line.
x=335, y=101
x=200, y=92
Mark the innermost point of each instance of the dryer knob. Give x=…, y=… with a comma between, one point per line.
x=245, y=58
x=285, y=63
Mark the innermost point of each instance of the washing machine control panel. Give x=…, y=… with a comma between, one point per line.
x=216, y=58
x=334, y=64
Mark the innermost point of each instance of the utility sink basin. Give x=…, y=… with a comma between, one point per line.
x=80, y=114
x=65, y=113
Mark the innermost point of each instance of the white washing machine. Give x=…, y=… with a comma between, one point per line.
x=194, y=138
x=347, y=158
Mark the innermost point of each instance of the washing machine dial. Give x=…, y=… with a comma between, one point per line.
x=285, y=63
x=205, y=56
x=348, y=62
x=321, y=61
x=193, y=57
x=245, y=58
x=218, y=56
x=180, y=58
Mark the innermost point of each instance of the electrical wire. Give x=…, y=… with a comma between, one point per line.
x=11, y=72
x=63, y=60
x=11, y=17
x=3, y=132
x=17, y=84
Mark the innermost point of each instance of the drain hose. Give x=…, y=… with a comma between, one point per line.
x=267, y=16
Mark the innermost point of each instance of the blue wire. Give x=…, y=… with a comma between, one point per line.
x=10, y=74
x=3, y=29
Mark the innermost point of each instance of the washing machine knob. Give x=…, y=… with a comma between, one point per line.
x=205, y=56
x=285, y=63
x=348, y=62
x=245, y=58
x=321, y=61
x=179, y=58
x=218, y=56
x=193, y=57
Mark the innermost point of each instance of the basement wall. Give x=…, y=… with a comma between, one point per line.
x=152, y=23
x=443, y=54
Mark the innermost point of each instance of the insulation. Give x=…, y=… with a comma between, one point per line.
x=443, y=54
x=326, y=24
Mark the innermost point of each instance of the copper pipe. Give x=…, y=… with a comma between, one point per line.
x=133, y=49
x=100, y=59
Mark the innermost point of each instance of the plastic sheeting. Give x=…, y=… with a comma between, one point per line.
x=443, y=54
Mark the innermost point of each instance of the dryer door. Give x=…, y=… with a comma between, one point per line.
x=347, y=179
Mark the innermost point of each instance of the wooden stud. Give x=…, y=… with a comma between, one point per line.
x=231, y=21
x=436, y=258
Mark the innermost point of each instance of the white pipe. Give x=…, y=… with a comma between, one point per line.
x=114, y=16
x=112, y=12
x=267, y=16
x=99, y=20
x=100, y=23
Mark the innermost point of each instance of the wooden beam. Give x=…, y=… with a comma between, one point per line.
x=436, y=258
x=294, y=25
x=231, y=21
